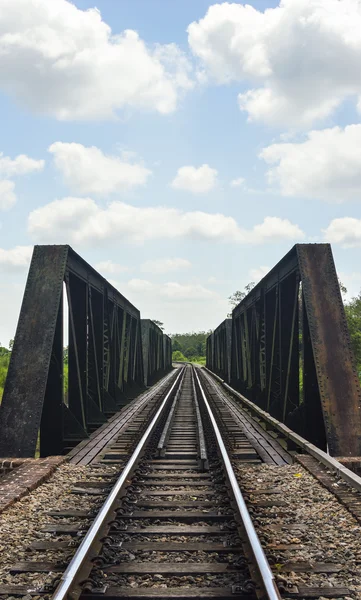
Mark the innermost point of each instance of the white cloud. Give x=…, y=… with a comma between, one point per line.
x=164, y=265
x=87, y=170
x=20, y=165
x=293, y=56
x=62, y=61
x=7, y=194
x=237, y=182
x=258, y=273
x=274, y=228
x=194, y=291
x=181, y=307
x=81, y=221
x=108, y=266
x=345, y=231
x=196, y=180
x=171, y=291
x=327, y=165
x=16, y=258
x=11, y=295
x=141, y=286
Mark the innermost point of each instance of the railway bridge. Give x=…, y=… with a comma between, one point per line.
x=127, y=476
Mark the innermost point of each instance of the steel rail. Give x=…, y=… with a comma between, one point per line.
x=67, y=579
x=264, y=569
x=85, y=447
x=162, y=445
x=242, y=416
x=203, y=458
x=329, y=461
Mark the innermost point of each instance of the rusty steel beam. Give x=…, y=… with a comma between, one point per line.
x=22, y=404
x=338, y=383
x=291, y=353
x=105, y=366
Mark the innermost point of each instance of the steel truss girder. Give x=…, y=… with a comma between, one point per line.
x=157, y=351
x=105, y=356
x=219, y=350
x=291, y=351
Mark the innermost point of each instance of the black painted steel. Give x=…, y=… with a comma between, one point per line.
x=104, y=356
x=157, y=351
x=291, y=353
x=167, y=350
x=219, y=350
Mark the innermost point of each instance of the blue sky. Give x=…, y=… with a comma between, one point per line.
x=182, y=148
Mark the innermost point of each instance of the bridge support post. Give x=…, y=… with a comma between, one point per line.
x=338, y=384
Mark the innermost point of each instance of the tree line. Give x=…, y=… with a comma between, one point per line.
x=190, y=346
x=353, y=316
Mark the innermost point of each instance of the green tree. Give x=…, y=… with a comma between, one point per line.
x=237, y=296
x=192, y=345
x=190, y=352
x=176, y=345
x=353, y=316
x=5, y=354
x=159, y=323
x=343, y=288
x=177, y=356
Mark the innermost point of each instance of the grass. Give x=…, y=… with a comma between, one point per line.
x=199, y=360
x=177, y=356
x=4, y=364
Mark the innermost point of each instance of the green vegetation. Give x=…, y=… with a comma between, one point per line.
x=177, y=356
x=238, y=296
x=5, y=354
x=190, y=347
x=353, y=315
x=65, y=374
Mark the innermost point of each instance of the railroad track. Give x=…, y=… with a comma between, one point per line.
x=174, y=523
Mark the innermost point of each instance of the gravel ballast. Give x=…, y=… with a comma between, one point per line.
x=328, y=533
x=20, y=524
